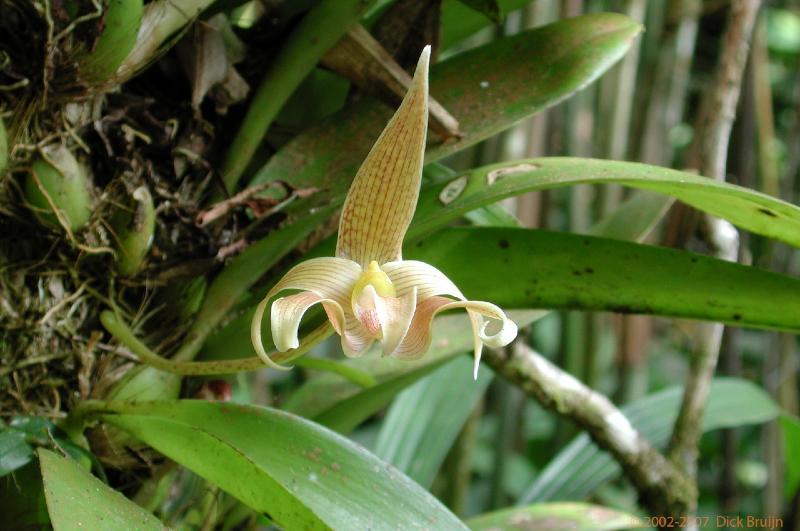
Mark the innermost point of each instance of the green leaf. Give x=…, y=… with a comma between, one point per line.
x=460, y=21
x=425, y=419
x=487, y=89
x=561, y=270
x=302, y=475
x=562, y=515
x=581, y=467
x=77, y=500
x=790, y=426
x=634, y=219
x=117, y=31
x=318, y=31
x=748, y=209
x=341, y=405
x=22, y=502
x=15, y=452
x=489, y=8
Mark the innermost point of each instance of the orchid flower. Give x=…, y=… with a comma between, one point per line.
x=367, y=290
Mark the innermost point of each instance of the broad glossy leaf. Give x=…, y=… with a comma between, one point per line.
x=556, y=516
x=299, y=473
x=521, y=268
x=425, y=419
x=743, y=207
x=581, y=467
x=487, y=89
x=77, y=500
x=790, y=426
x=341, y=405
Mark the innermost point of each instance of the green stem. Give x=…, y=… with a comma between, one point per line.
x=125, y=335
x=319, y=30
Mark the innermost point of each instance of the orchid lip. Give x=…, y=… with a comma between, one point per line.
x=373, y=276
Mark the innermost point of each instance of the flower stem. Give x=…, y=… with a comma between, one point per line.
x=125, y=335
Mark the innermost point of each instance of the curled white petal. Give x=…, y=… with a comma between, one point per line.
x=287, y=312
x=255, y=337
x=418, y=337
x=329, y=277
x=428, y=281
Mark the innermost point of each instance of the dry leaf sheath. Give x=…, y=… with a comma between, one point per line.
x=368, y=291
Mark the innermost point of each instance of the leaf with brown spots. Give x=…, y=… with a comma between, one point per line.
x=566, y=271
x=301, y=474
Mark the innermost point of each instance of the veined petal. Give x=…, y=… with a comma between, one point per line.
x=328, y=277
x=399, y=312
x=286, y=313
x=383, y=196
x=418, y=338
x=396, y=318
x=255, y=336
x=429, y=281
x=385, y=318
x=356, y=339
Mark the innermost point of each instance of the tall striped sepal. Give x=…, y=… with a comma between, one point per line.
x=367, y=290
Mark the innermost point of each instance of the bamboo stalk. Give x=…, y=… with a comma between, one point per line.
x=765, y=121
x=624, y=87
x=708, y=154
x=667, y=101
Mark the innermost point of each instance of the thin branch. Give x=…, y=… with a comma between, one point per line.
x=362, y=59
x=663, y=488
x=708, y=154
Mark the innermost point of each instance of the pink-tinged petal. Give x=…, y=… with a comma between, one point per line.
x=428, y=281
x=418, y=338
x=397, y=319
x=383, y=196
x=286, y=313
x=355, y=340
x=328, y=277
x=368, y=307
x=385, y=318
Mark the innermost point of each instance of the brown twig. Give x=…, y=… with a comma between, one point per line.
x=663, y=488
x=708, y=154
x=363, y=60
x=221, y=208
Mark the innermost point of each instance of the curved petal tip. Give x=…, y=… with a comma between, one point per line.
x=255, y=337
